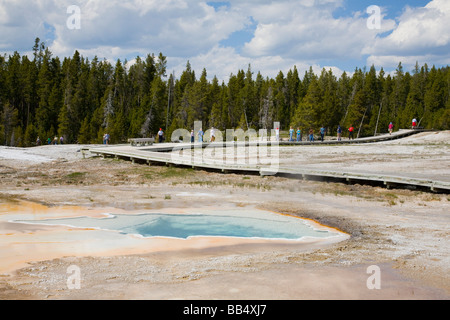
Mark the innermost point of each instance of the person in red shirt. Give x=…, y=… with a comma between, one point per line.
x=350, y=132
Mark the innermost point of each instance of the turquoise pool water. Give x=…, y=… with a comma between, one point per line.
x=263, y=224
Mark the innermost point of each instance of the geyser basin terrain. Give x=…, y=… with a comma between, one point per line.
x=245, y=224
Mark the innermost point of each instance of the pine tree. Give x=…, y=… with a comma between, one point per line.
x=266, y=112
x=157, y=105
x=29, y=77
x=249, y=118
x=64, y=123
x=214, y=113
x=399, y=96
x=198, y=101
x=357, y=108
x=161, y=66
x=235, y=99
x=138, y=91
x=373, y=100
x=30, y=136
x=181, y=102
x=281, y=103
x=84, y=133
x=9, y=118
x=293, y=91
x=307, y=115
x=415, y=107
x=434, y=99
x=329, y=113
x=225, y=122
x=47, y=113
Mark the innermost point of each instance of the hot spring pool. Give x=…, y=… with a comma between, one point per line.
x=245, y=224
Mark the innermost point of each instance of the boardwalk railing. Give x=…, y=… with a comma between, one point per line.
x=141, y=141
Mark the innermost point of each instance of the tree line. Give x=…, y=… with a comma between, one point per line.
x=81, y=100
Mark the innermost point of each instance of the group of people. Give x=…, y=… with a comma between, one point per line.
x=291, y=134
x=50, y=141
x=60, y=140
x=351, y=131
x=310, y=136
x=200, y=135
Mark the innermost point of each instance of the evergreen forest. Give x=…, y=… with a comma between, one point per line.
x=82, y=100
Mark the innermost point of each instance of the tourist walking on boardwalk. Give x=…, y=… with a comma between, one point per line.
x=350, y=132
x=200, y=135
x=160, y=135
x=322, y=133
x=311, y=134
x=299, y=134
x=38, y=141
x=339, y=133
x=414, y=123
x=277, y=134
x=391, y=127
x=291, y=134
x=192, y=136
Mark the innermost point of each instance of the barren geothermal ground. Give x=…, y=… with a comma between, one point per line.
x=398, y=239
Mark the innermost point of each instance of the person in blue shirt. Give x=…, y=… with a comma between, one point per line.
x=322, y=133
x=200, y=135
x=291, y=134
x=299, y=134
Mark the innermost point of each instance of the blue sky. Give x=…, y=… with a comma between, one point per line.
x=226, y=36
x=393, y=9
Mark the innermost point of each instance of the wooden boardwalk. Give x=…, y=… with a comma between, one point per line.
x=162, y=154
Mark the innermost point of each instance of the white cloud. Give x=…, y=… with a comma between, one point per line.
x=422, y=34
x=181, y=27
x=287, y=33
x=185, y=28
x=312, y=33
x=19, y=20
